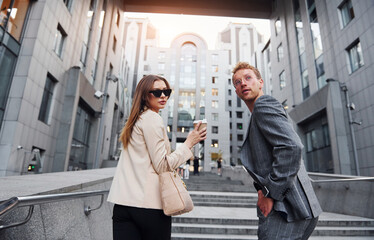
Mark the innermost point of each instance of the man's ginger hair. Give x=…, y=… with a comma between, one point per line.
x=245, y=65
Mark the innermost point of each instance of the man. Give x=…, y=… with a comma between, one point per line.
x=287, y=206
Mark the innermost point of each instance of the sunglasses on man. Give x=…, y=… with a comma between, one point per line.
x=157, y=93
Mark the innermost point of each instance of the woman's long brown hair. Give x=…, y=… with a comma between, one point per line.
x=139, y=104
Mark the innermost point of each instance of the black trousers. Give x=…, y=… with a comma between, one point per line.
x=131, y=223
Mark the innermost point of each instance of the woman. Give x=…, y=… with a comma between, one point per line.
x=219, y=166
x=137, y=213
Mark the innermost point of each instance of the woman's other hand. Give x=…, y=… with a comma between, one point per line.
x=195, y=136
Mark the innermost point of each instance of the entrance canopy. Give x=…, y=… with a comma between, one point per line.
x=228, y=8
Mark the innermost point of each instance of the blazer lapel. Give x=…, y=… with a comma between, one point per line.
x=246, y=157
x=245, y=152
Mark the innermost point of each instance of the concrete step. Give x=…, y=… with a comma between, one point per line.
x=223, y=204
x=223, y=197
x=185, y=236
x=228, y=221
x=209, y=180
x=215, y=221
x=224, y=200
x=348, y=223
x=220, y=188
x=212, y=181
x=343, y=231
x=216, y=229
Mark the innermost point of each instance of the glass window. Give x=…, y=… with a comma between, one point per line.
x=229, y=103
x=78, y=158
x=161, y=56
x=326, y=134
x=280, y=52
x=214, y=129
x=302, y=58
x=301, y=48
x=285, y=104
x=309, y=147
x=45, y=106
x=229, y=81
x=319, y=66
x=282, y=80
x=13, y=15
x=305, y=83
x=161, y=66
x=346, y=13
x=240, y=137
x=239, y=114
x=356, y=59
x=59, y=40
x=97, y=43
x=229, y=92
x=187, y=89
x=317, y=43
x=214, y=143
x=215, y=104
x=214, y=58
x=239, y=126
x=214, y=68
x=214, y=116
x=278, y=26
x=7, y=62
x=214, y=92
x=214, y=79
x=87, y=32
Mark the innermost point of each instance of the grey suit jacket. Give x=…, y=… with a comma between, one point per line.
x=272, y=153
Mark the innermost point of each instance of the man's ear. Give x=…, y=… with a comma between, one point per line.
x=261, y=82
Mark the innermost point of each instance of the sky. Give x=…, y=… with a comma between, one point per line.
x=171, y=25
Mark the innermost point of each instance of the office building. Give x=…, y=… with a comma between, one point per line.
x=59, y=63
x=321, y=67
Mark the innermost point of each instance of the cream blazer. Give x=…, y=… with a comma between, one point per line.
x=135, y=182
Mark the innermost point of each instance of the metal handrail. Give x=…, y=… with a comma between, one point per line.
x=356, y=179
x=14, y=202
x=342, y=179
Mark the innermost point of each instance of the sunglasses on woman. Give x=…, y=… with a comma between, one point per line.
x=157, y=93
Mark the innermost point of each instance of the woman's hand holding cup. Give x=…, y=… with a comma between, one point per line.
x=198, y=134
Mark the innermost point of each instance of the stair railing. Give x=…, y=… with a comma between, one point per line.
x=30, y=201
x=337, y=178
x=343, y=180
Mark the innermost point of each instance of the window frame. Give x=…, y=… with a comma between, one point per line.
x=46, y=105
x=59, y=43
x=282, y=79
x=346, y=7
x=359, y=54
